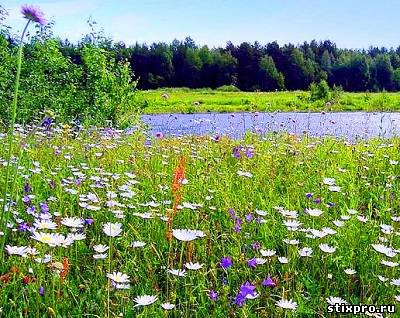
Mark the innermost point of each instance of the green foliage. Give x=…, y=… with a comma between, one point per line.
x=271, y=79
x=109, y=88
x=228, y=88
x=97, y=90
x=320, y=91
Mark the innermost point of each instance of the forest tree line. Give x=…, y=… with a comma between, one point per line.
x=252, y=66
x=247, y=66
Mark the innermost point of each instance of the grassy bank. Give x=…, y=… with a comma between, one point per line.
x=257, y=221
x=192, y=101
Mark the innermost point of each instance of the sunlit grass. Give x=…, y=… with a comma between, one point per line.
x=238, y=192
x=205, y=100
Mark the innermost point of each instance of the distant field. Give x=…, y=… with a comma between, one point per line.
x=191, y=101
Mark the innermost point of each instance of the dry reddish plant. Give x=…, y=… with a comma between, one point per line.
x=65, y=270
x=178, y=177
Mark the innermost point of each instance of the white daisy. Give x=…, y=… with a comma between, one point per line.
x=177, y=272
x=136, y=244
x=100, y=256
x=167, y=306
x=327, y=248
x=73, y=222
x=261, y=261
x=145, y=300
x=388, y=251
x=305, y=252
x=335, y=300
x=17, y=250
x=334, y=189
x=112, y=229
x=100, y=248
x=329, y=181
x=45, y=225
x=118, y=277
x=350, y=271
x=382, y=278
x=313, y=212
x=338, y=223
x=187, y=235
x=194, y=266
x=267, y=253
x=283, y=260
x=388, y=263
x=287, y=304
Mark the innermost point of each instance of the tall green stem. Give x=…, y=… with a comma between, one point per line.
x=11, y=139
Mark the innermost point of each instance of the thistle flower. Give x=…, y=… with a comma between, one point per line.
x=33, y=14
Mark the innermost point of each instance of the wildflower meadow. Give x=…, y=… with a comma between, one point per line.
x=106, y=222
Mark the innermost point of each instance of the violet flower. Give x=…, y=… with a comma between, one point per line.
x=33, y=14
x=226, y=262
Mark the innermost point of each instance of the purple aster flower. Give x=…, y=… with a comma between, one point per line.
x=33, y=14
x=216, y=138
x=47, y=122
x=237, y=228
x=249, y=217
x=213, y=295
x=31, y=210
x=247, y=289
x=52, y=184
x=27, y=188
x=44, y=208
x=252, y=263
x=147, y=142
x=159, y=135
x=41, y=291
x=23, y=227
x=268, y=282
x=236, y=152
x=309, y=195
x=78, y=181
x=258, y=220
x=250, y=153
x=240, y=299
x=88, y=221
x=232, y=213
x=317, y=201
x=226, y=262
x=256, y=246
x=26, y=199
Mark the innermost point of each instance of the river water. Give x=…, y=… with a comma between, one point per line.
x=344, y=124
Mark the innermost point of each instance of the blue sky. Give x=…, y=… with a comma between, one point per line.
x=349, y=23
